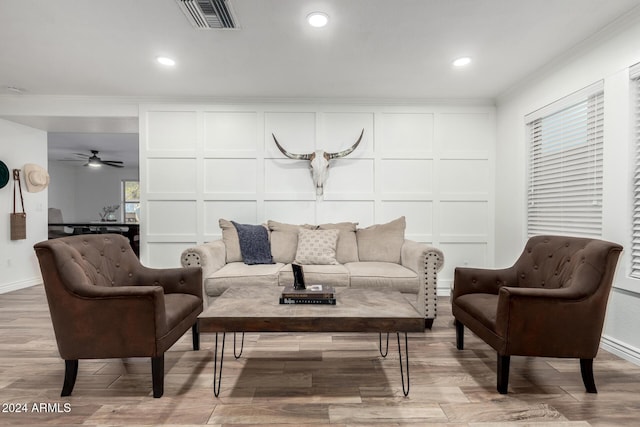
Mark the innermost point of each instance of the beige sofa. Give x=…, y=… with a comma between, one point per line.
x=375, y=257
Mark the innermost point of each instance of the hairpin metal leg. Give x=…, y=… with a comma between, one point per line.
x=406, y=352
x=237, y=355
x=380, y=340
x=216, y=374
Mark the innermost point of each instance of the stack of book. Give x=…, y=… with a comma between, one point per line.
x=313, y=294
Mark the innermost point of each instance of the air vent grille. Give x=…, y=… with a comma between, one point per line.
x=208, y=13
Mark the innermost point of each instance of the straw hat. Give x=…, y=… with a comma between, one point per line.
x=4, y=174
x=36, y=178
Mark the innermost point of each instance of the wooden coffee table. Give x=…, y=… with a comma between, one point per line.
x=257, y=309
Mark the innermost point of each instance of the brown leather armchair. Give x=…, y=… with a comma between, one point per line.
x=105, y=304
x=550, y=303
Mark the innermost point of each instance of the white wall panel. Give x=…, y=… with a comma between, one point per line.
x=419, y=216
x=168, y=217
x=341, y=130
x=465, y=177
x=230, y=131
x=406, y=176
x=464, y=132
x=290, y=212
x=287, y=176
x=181, y=179
x=463, y=218
x=429, y=163
x=347, y=176
x=244, y=212
x=461, y=255
x=171, y=130
x=296, y=132
x=235, y=176
x=407, y=133
x=166, y=255
x=361, y=212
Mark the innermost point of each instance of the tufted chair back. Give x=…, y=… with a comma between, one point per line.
x=554, y=262
x=97, y=260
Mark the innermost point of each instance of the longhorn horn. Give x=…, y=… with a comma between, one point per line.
x=290, y=155
x=346, y=152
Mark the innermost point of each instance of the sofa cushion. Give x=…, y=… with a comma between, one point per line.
x=347, y=249
x=230, y=239
x=317, y=247
x=254, y=243
x=284, y=240
x=241, y=274
x=333, y=275
x=382, y=275
x=381, y=242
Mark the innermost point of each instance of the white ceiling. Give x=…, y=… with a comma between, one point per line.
x=371, y=49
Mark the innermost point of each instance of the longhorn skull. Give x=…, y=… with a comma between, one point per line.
x=319, y=161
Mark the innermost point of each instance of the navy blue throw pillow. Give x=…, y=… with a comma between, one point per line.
x=254, y=244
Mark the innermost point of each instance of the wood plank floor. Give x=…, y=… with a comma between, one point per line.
x=303, y=380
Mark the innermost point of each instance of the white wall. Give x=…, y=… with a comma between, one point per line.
x=18, y=264
x=430, y=163
x=81, y=192
x=608, y=59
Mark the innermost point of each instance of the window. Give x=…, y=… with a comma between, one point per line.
x=635, y=218
x=565, y=165
x=131, y=200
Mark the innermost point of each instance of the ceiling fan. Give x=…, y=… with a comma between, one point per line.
x=94, y=161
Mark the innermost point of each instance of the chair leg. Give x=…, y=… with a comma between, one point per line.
x=459, y=334
x=503, y=373
x=195, y=333
x=70, y=374
x=157, y=375
x=428, y=323
x=586, y=369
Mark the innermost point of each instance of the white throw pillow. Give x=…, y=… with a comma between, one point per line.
x=316, y=247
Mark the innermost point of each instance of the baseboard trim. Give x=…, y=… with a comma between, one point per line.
x=14, y=286
x=621, y=349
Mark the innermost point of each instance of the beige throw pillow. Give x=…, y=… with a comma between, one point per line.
x=347, y=248
x=231, y=241
x=317, y=247
x=284, y=240
x=381, y=242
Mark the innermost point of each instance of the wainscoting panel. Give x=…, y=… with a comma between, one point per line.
x=230, y=132
x=180, y=180
x=432, y=164
x=171, y=130
x=230, y=176
x=244, y=212
x=407, y=134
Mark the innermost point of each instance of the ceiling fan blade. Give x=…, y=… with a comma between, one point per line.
x=113, y=164
x=110, y=161
x=86, y=156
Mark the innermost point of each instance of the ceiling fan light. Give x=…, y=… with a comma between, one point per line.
x=462, y=62
x=94, y=163
x=318, y=19
x=165, y=60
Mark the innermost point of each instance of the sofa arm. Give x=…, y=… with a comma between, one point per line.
x=210, y=256
x=426, y=261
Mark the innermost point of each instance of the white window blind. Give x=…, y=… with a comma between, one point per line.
x=565, y=166
x=635, y=237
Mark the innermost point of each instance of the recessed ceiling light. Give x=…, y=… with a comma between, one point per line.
x=166, y=61
x=462, y=62
x=317, y=19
